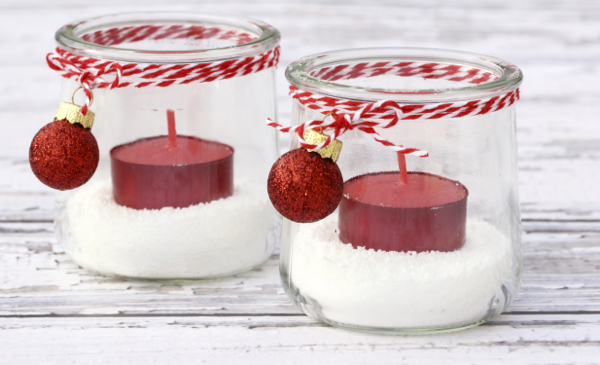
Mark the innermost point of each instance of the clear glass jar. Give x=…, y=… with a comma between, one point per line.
x=174, y=218
x=407, y=261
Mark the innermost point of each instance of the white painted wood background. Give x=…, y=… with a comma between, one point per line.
x=52, y=312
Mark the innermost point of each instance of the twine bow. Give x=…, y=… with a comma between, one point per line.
x=340, y=123
x=87, y=79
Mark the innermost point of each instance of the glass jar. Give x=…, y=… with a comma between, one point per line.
x=429, y=246
x=178, y=192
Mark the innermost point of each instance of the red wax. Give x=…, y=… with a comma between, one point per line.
x=427, y=213
x=171, y=171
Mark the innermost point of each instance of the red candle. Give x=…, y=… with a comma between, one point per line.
x=171, y=171
x=412, y=211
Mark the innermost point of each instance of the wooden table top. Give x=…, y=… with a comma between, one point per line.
x=53, y=312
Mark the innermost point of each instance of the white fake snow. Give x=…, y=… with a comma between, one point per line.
x=207, y=240
x=400, y=289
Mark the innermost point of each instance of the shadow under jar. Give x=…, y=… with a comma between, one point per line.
x=183, y=149
x=420, y=243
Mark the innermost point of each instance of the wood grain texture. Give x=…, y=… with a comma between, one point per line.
x=276, y=340
x=560, y=276
x=53, y=312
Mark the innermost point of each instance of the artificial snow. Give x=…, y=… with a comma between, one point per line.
x=360, y=287
x=206, y=240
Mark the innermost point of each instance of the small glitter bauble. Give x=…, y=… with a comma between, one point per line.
x=305, y=187
x=63, y=155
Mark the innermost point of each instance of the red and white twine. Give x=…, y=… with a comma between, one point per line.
x=132, y=34
x=91, y=73
x=344, y=115
x=426, y=70
x=341, y=123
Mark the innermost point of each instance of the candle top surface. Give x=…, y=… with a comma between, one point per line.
x=422, y=190
x=157, y=151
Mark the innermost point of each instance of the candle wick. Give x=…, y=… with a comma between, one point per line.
x=402, y=166
x=172, y=130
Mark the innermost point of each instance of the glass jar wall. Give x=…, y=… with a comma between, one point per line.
x=439, y=250
x=178, y=192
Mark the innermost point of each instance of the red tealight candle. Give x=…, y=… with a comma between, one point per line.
x=412, y=211
x=171, y=171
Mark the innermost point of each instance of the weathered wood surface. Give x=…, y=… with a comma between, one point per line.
x=51, y=311
x=276, y=340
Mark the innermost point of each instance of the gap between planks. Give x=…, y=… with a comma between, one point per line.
x=247, y=315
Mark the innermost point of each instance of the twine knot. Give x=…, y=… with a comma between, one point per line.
x=387, y=112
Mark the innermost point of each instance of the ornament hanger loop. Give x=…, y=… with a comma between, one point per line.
x=325, y=117
x=76, y=90
x=328, y=114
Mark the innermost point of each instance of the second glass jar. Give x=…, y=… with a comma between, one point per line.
x=439, y=250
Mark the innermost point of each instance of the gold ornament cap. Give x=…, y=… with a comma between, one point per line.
x=72, y=113
x=332, y=151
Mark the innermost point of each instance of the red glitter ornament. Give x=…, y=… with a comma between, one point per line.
x=305, y=187
x=63, y=155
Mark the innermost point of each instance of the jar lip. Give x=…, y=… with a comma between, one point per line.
x=69, y=37
x=300, y=74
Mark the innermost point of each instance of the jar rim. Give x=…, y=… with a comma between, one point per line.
x=300, y=74
x=69, y=38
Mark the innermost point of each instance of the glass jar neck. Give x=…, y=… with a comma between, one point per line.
x=405, y=75
x=167, y=38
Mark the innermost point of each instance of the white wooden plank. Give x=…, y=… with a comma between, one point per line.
x=510, y=339
x=37, y=278
x=560, y=275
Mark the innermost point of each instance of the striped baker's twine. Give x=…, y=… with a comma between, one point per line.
x=344, y=114
x=425, y=70
x=338, y=124
x=89, y=72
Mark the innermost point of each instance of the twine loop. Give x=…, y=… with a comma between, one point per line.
x=89, y=72
x=339, y=123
